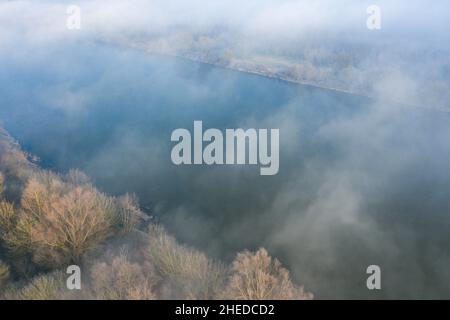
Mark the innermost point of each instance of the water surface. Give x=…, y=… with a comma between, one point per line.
x=361, y=182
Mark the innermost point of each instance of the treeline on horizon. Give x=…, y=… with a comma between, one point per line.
x=49, y=221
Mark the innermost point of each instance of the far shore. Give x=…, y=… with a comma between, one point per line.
x=268, y=74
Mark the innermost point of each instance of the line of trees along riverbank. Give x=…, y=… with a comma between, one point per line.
x=49, y=221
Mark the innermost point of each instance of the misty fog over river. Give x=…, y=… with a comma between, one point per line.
x=361, y=181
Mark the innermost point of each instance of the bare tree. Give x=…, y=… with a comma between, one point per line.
x=186, y=273
x=59, y=224
x=121, y=279
x=256, y=276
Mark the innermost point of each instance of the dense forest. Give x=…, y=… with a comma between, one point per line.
x=49, y=221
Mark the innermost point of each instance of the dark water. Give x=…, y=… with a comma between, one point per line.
x=361, y=182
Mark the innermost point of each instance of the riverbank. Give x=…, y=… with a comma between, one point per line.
x=248, y=67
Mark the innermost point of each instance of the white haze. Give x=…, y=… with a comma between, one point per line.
x=310, y=232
